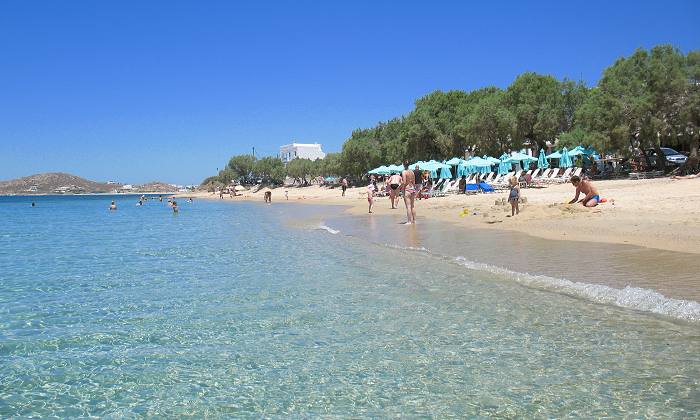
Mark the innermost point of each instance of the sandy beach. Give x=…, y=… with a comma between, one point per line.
x=655, y=213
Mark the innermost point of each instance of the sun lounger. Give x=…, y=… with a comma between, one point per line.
x=503, y=183
x=563, y=177
x=486, y=187
x=471, y=189
x=552, y=176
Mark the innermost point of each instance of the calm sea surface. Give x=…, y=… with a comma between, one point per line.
x=247, y=310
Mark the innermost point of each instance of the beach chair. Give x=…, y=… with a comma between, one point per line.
x=577, y=172
x=453, y=187
x=552, y=176
x=488, y=177
x=544, y=174
x=503, y=183
x=564, y=176
x=543, y=177
x=486, y=188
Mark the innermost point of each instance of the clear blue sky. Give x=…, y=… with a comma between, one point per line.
x=142, y=90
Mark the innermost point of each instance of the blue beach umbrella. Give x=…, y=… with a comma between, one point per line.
x=445, y=173
x=493, y=160
x=396, y=168
x=478, y=164
x=505, y=165
x=454, y=161
x=565, y=161
x=382, y=170
x=420, y=164
x=555, y=155
x=542, y=161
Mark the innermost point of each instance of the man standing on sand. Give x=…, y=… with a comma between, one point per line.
x=408, y=184
x=344, y=185
x=592, y=197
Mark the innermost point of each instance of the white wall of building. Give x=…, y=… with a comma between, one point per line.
x=302, y=151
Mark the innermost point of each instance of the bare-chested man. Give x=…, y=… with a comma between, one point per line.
x=592, y=197
x=408, y=184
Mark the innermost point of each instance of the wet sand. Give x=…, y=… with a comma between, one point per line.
x=656, y=213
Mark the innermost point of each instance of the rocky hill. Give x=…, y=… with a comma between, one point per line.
x=156, y=186
x=54, y=183
x=62, y=183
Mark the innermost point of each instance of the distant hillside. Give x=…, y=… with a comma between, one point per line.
x=156, y=186
x=62, y=183
x=54, y=182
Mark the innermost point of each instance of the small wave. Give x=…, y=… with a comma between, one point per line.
x=636, y=298
x=630, y=297
x=328, y=229
x=409, y=248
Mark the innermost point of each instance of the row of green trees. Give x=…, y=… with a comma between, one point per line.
x=649, y=99
x=247, y=169
x=646, y=100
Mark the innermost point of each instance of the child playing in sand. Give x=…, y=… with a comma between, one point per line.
x=371, y=188
x=514, y=196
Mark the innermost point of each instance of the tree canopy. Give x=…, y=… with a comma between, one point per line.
x=649, y=99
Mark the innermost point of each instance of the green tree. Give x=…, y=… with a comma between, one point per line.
x=300, y=170
x=361, y=152
x=540, y=111
x=490, y=126
x=269, y=170
x=241, y=168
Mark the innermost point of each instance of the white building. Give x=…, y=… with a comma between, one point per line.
x=301, y=150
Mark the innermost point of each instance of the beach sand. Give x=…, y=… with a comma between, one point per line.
x=655, y=213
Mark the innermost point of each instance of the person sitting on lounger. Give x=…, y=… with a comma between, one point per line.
x=592, y=197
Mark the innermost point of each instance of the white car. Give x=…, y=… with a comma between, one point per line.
x=672, y=156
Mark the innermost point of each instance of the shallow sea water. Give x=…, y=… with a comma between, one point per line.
x=231, y=310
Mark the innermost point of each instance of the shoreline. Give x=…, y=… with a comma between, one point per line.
x=660, y=214
x=88, y=194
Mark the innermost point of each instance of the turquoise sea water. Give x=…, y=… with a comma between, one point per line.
x=232, y=310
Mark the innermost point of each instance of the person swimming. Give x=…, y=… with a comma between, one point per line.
x=175, y=208
x=113, y=206
x=33, y=204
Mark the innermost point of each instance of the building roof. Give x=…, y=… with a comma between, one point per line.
x=301, y=144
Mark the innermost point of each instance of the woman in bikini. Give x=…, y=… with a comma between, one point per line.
x=408, y=184
x=394, y=184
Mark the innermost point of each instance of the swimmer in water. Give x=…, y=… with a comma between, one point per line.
x=33, y=204
x=175, y=209
x=160, y=198
x=113, y=206
x=190, y=200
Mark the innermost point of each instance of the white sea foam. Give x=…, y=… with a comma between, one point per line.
x=630, y=297
x=636, y=298
x=409, y=248
x=328, y=229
